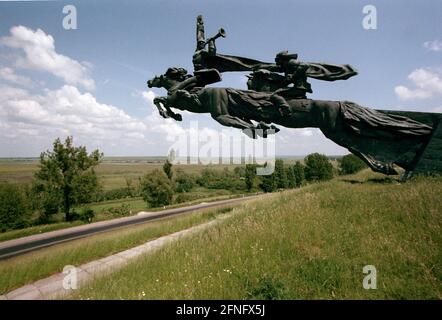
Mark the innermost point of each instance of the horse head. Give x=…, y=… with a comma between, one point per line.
x=169, y=79
x=157, y=82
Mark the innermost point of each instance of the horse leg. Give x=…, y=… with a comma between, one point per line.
x=163, y=108
x=159, y=103
x=231, y=121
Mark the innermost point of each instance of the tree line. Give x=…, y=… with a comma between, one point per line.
x=66, y=180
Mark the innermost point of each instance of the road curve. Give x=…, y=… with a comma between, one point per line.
x=20, y=246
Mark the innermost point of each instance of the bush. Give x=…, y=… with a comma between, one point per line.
x=121, y=211
x=250, y=176
x=299, y=173
x=268, y=183
x=240, y=172
x=280, y=174
x=86, y=215
x=156, y=189
x=167, y=168
x=318, y=167
x=116, y=194
x=184, y=182
x=14, y=212
x=214, y=179
x=351, y=164
x=186, y=197
x=291, y=180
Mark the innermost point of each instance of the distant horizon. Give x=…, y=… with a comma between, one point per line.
x=165, y=157
x=90, y=81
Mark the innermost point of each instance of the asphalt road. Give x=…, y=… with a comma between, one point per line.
x=23, y=245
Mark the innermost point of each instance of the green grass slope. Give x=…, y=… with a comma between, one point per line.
x=310, y=243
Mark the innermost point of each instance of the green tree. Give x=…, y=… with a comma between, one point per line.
x=129, y=186
x=240, y=172
x=351, y=164
x=268, y=182
x=291, y=181
x=250, y=175
x=66, y=176
x=298, y=173
x=14, y=211
x=184, y=182
x=318, y=167
x=167, y=168
x=156, y=189
x=280, y=174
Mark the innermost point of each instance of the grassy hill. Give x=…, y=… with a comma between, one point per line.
x=302, y=244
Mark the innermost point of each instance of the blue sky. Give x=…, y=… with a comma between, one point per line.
x=90, y=82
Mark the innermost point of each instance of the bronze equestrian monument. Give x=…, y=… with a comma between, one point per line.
x=277, y=95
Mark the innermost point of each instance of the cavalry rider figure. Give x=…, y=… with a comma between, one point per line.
x=292, y=85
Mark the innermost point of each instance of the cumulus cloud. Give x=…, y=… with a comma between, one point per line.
x=10, y=93
x=39, y=54
x=9, y=75
x=30, y=120
x=427, y=82
x=68, y=111
x=168, y=128
x=435, y=45
x=148, y=96
x=65, y=111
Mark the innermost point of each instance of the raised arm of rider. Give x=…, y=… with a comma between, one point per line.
x=212, y=48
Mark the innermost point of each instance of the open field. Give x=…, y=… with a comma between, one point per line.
x=135, y=205
x=112, y=172
x=309, y=243
x=20, y=270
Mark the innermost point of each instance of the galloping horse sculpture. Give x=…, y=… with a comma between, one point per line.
x=277, y=95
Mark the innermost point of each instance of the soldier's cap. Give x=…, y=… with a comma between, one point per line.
x=284, y=55
x=176, y=72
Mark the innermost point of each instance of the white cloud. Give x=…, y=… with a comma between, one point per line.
x=168, y=128
x=9, y=75
x=29, y=122
x=148, y=96
x=435, y=45
x=427, y=82
x=65, y=111
x=40, y=54
x=10, y=93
